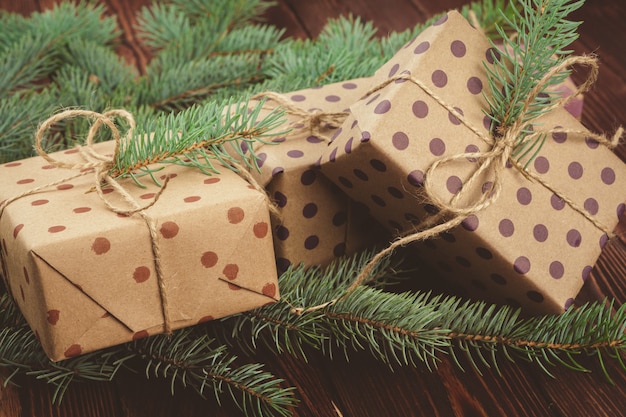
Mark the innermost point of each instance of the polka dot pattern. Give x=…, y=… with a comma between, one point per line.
x=116, y=250
x=522, y=247
x=311, y=229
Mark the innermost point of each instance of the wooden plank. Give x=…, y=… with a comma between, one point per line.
x=386, y=16
x=131, y=48
x=362, y=386
x=93, y=399
x=10, y=405
x=24, y=7
x=282, y=15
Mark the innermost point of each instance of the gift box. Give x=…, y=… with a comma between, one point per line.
x=84, y=277
x=534, y=246
x=317, y=221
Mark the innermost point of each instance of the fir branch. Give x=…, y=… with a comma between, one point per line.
x=161, y=25
x=29, y=60
x=346, y=45
x=195, y=29
x=543, y=34
x=20, y=115
x=21, y=353
x=69, y=22
x=13, y=28
x=396, y=329
x=189, y=359
x=195, y=137
x=103, y=65
x=237, y=12
x=254, y=38
x=194, y=360
x=412, y=328
x=79, y=88
x=173, y=84
x=34, y=55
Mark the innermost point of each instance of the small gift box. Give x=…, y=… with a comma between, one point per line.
x=535, y=243
x=317, y=221
x=85, y=278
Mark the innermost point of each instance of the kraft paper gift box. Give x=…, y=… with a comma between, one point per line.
x=529, y=248
x=85, y=277
x=317, y=221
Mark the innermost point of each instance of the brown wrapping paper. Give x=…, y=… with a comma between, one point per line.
x=318, y=222
x=529, y=248
x=84, y=277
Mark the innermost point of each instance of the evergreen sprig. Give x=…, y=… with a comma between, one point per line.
x=416, y=327
x=197, y=138
x=194, y=360
x=542, y=36
x=187, y=359
x=211, y=54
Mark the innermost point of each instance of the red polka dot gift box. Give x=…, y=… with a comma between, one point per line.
x=536, y=241
x=317, y=221
x=85, y=277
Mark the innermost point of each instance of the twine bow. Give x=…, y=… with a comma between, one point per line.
x=494, y=160
x=101, y=166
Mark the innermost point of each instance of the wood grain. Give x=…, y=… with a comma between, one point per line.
x=364, y=387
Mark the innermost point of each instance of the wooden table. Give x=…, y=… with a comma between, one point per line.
x=364, y=387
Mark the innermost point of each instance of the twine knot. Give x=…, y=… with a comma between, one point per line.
x=314, y=120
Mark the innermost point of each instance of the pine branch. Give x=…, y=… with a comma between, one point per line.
x=491, y=15
x=103, y=65
x=173, y=84
x=20, y=115
x=13, y=28
x=543, y=34
x=194, y=360
x=195, y=137
x=68, y=22
x=29, y=60
x=394, y=328
x=187, y=358
x=195, y=29
x=34, y=55
x=413, y=328
x=345, y=49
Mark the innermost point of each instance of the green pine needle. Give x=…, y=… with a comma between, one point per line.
x=192, y=360
x=543, y=35
x=211, y=54
x=196, y=137
x=413, y=328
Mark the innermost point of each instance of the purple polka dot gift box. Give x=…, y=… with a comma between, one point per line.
x=85, y=278
x=317, y=222
x=536, y=243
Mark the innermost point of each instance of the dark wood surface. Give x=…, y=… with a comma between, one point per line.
x=364, y=387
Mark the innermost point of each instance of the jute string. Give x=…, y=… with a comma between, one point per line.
x=494, y=160
x=100, y=165
x=313, y=121
x=310, y=120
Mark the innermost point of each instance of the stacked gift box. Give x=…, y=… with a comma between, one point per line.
x=85, y=277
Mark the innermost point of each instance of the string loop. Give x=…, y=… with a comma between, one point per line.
x=101, y=165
